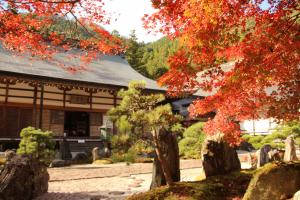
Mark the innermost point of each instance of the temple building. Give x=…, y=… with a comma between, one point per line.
x=70, y=103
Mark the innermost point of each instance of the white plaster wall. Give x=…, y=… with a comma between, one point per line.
x=261, y=126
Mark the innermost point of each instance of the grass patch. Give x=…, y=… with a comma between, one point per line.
x=103, y=162
x=229, y=186
x=2, y=160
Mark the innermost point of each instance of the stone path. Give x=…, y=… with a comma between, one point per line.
x=111, y=182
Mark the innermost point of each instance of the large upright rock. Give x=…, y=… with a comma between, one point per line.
x=64, y=148
x=171, y=153
x=95, y=154
x=263, y=155
x=219, y=158
x=274, y=181
x=23, y=178
x=290, y=149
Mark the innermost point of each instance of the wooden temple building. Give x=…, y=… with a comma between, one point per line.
x=42, y=94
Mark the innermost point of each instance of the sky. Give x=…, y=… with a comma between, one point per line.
x=128, y=14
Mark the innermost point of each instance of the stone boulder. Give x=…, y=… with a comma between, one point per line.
x=263, y=156
x=219, y=158
x=274, y=181
x=169, y=144
x=60, y=163
x=9, y=154
x=23, y=178
x=81, y=158
x=297, y=196
x=64, y=150
x=95, y=154
x=290, y=149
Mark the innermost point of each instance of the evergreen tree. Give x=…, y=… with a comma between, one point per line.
x=143, y=115
x=134, y=53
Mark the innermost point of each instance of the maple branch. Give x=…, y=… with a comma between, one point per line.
x=83, y=26
x=46, y=1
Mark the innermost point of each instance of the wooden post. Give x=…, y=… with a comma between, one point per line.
x=64, y=100
x=6, y=92
x=115, y=105
x=91, y=99
x=34, y=117
x=5, y=106
x=41, y=106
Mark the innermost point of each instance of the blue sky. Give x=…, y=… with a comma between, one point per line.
x=128, y=14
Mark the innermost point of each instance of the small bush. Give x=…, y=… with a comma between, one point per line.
x=277, y=138
x=142, y=147
x=191, y=144
x=255, y=140
x=117, y=157
x=37, y=143
x=130, y=156
x=121, y=142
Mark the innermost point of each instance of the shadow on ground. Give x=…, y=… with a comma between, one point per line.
x=112, y=195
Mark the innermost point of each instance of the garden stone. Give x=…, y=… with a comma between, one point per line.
x=23, y=177
x=60, y=163
x=274, y=181
x=65, y=152
x=290, y=149
x=263, y=155
x=171, y=152
x=297, y=196
x=95, y=153
x=9, y=154
x=219, y=158
x=80, y=158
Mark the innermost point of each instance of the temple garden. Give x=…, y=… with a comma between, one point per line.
x=153, y=157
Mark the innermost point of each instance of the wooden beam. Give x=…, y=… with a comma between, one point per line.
x=41, y=106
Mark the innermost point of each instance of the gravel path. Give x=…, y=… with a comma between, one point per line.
x=114, y=181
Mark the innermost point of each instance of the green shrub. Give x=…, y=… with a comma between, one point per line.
x=121, y=142
x=255, y=140
x=191, y=144
x=117, y=157
x=130, y=156
x=37, y=143
x=142, y=147
x=276, y=139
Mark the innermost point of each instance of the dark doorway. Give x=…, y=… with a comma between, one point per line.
x=77, y=124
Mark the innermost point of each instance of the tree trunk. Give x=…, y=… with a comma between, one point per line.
x=166, y=162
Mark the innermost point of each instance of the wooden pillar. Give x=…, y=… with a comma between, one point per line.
x=34, y=113
x=91, y=99
x=5, y=106
x=115, y=105
x=64, y=100
x=6, y=92
x=41, y=106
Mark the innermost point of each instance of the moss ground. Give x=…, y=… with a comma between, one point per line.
x=232, y=186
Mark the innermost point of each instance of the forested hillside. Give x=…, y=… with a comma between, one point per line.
x=150, y=59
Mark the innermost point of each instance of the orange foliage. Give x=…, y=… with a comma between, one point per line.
x=22, y=23
x=263, y=44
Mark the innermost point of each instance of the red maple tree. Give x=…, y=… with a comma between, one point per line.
x=260, y=42
x=23, y=24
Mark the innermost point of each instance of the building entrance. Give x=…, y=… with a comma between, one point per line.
x=77, y=124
